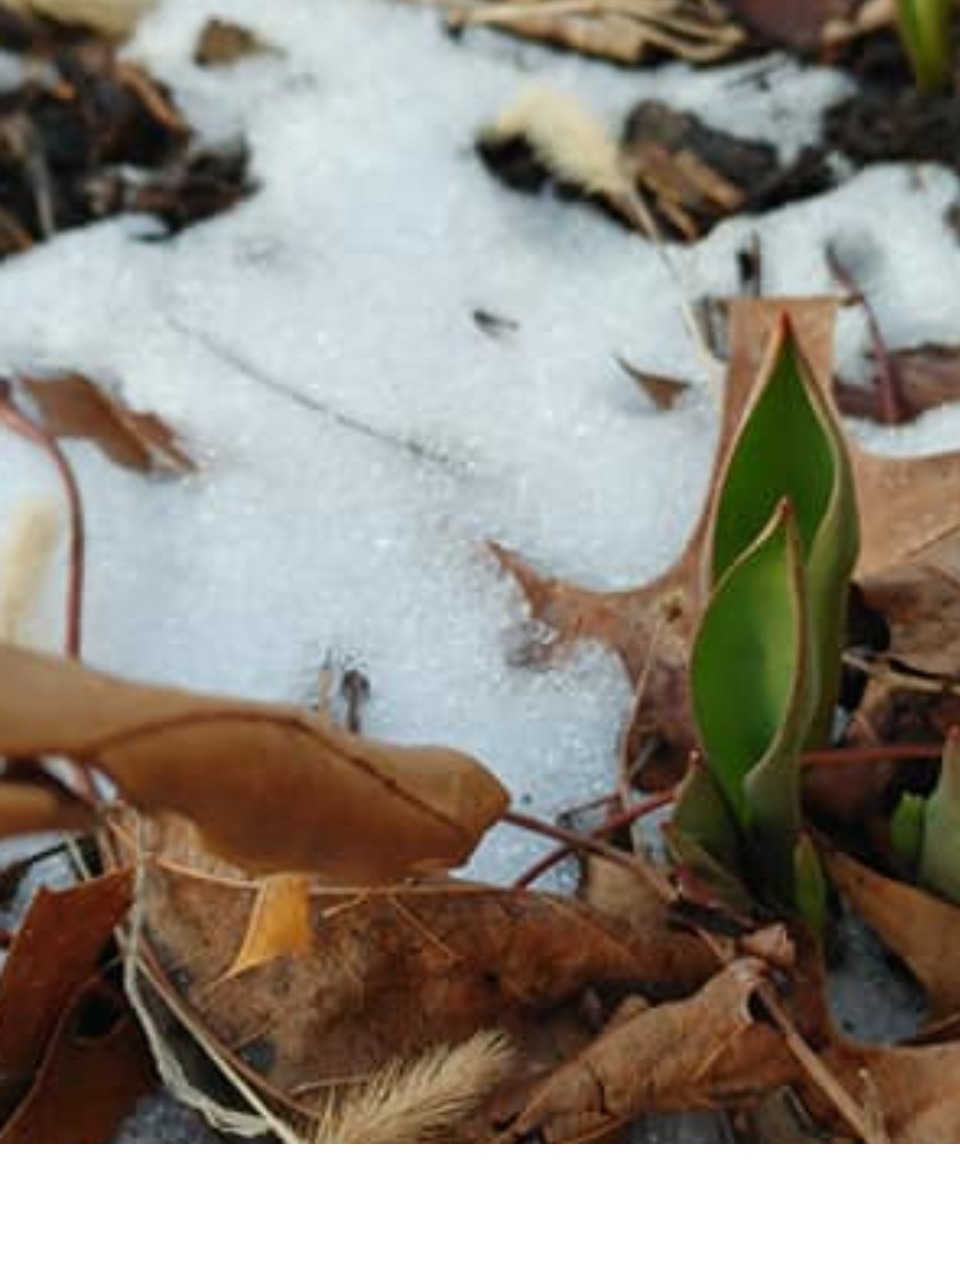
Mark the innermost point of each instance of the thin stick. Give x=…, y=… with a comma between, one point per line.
x=599, y=849
x=855, y=1116
x=20, y=425
x=891, y=399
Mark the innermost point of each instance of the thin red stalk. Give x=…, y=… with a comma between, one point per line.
x=567, y=849
x=891, y=400
x=20, y=425
x=873, y=755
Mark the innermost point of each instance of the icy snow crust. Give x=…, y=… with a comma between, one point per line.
x=361, y=438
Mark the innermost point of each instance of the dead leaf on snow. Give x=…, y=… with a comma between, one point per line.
x=272, y=788
x=221, y=44
x=72, y=405
x=662, y=391
x=925, y=377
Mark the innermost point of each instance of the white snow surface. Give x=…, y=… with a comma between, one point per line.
x=361, y=439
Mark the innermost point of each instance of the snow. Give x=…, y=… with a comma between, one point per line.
x=361, y=438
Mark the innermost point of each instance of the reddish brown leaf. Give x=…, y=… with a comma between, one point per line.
x=55, y=951
x=89, y=1080
x=72, y=405
x=272, y=788
x=222, y=44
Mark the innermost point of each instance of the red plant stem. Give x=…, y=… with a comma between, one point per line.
x=873, y=755
x=562, y=851
x=572, y=842
x=891, y=406
x=20, y=425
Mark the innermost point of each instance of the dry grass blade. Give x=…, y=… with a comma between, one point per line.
x=25, y=560
x=418, y=1101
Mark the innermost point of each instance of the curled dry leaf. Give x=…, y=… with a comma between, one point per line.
x=222, y=44
x=705, y=1052
x=55, y=952
x=271, y=788
x=72, y=405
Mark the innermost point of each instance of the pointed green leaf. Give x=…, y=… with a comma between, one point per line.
x=906, y=831
x=939, y=865
x=752, y=698
x=926, y=32
x=790, y=446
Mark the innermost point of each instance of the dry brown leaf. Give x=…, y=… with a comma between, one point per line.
x=271, y=787
x=705, y=1052
x=393, y=973
x=922, y=930
x=41, y=804
x=914, y=1091
x=91, y=1077
x=624, y=31
x=54, y=953
x=221, y=44
x=72, y=405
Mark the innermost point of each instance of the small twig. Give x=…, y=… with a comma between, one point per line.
x=20, y=425
x=242, y=365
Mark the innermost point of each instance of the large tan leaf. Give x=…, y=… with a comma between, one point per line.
x=271, y=788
